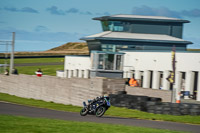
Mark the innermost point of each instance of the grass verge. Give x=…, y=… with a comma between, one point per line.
x=30, y=70
x=19, y=124
x=34, y=60
x=47, y=70
x=113, y=111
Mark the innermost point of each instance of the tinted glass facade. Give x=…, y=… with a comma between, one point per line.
x=112, y=26
x=172, y=29
x=116, y=46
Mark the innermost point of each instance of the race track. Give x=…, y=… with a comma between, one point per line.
x=20, y=110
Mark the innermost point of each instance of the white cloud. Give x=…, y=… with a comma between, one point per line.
x=164, y=11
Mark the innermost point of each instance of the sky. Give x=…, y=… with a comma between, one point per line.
x=44, y=24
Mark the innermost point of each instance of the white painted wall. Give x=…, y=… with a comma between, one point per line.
x=73, y=62
x=161, y=61
x=146, y=62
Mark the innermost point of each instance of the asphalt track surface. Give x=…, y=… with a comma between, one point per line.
x=21, y=110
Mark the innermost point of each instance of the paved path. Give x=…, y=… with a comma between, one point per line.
x=14, y=109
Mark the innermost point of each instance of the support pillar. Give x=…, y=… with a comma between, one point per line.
x=146, y=81
x=156, y=80
x=189, y=84
x=178, y=86
x=79, y=73
x=137, y=74
x=69, y=73
x=138, y=77
x=198, y=87
x=125, y=74
x=130, y=74
x=86, y=73
x=166, y=83
x=75, y=73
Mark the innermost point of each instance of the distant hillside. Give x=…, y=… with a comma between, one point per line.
x=71, y=46
x=193, y=49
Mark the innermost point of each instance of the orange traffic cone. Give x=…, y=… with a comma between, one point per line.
x=178, y=100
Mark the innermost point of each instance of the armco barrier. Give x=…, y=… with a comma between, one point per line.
x=153, y=105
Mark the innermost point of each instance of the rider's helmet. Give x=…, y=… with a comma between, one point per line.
x=105, y=95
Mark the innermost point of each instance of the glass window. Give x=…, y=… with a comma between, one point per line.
x=110, y=50
x=104, y=46
x=112, y=26
x=105, y=25
x=101, y=61
x=109, y=61
x=115, y=48
x=104, y=49
x=118, y=62
x=110, y=46
x=124, y=46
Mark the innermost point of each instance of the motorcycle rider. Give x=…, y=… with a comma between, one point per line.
x=97, y=106
x=91, y=102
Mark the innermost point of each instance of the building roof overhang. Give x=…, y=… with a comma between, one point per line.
x=135, y=37
x=123, y=17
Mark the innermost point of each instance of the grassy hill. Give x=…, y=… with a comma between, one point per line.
x=193, y=49
x=71, y=48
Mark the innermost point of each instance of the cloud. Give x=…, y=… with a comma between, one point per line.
x=41, y=28
x=12, y=9
x=24, y=9
x=164, y=11
x=72, y=10
x=28, y=9
x=191, y=13
x=54, y=10
x=35, y=35
x=75, y=10
x=149, y=11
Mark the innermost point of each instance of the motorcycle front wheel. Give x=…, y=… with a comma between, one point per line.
x=100, y=111
x=83, y=111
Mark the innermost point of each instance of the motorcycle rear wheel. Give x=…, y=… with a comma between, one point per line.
x=100, y=111
x=83, y=111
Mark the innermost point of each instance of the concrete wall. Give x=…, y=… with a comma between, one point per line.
x=50, y=88
x=165, y=95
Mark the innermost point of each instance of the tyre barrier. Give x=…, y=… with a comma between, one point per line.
x=153, y=105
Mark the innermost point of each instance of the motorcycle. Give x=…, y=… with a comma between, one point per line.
x=96, y=107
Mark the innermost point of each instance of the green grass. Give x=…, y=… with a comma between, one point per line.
x=113, y=111
x=47, y=70
x=38, y=103
x=129, y=113
x=19, y=124
x=30, y=70
x=34, y=60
